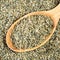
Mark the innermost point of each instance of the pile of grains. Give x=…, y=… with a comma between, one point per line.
x=10, y=11
x=31, y=31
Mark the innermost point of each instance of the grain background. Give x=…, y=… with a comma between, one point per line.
x=10, y=10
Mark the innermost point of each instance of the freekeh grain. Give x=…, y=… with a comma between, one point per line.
x=29, y=32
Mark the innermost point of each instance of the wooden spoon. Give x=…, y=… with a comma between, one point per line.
x=54, y=14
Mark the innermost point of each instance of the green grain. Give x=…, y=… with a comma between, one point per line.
x=30, y=31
